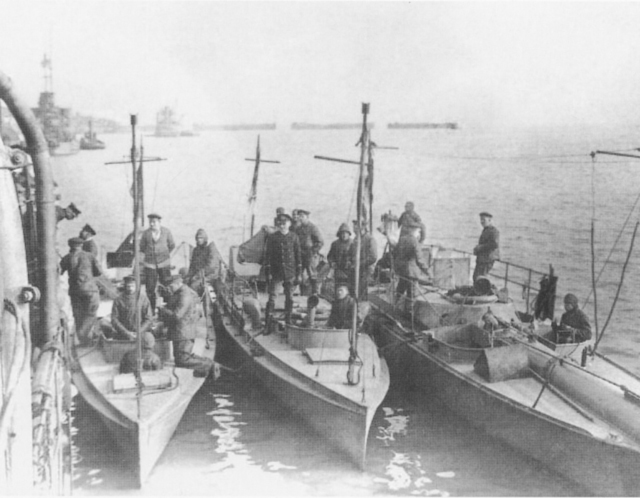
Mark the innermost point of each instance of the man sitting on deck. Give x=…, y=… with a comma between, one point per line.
x=150, y=360
x=181, y=316
x=574, y=324
x=123, y=313
x=341, y=316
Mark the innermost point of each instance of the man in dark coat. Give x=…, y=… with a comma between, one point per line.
x=368, y=257
x=181, y=316
x=123, y=312
x=574, y=324
x=82, y=268
x=150, y=360
x=340, y=256
x=410, y=218
x=488, y=248
x=410, y=263
x=156, y=243
x=342, y=308
x=310, y=244
x=282, y=263
x=87, y=233
x=205, y=259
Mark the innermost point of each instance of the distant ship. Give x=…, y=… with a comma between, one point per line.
x=56, y=122
x=238, y=127
x=167, y=123
x=330, y=126
x=427, y=126
x=90, y=140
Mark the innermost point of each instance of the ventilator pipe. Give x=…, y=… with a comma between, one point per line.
x=45, y=204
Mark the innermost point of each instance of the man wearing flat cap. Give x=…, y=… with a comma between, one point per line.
x=310, y=244
x=123, y=312
x=488, y=249
x=282, y=264
x=87, y=233
x=82, y=268
x=181, y=316
x=409, y=218
x=156, y=244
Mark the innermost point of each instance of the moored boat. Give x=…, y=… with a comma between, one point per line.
x=333, y=379
x=167, y=123
x=572, y=410
x=141, y=411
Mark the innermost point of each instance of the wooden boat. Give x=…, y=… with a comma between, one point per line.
x=304, y=367
x=574, y=412
x=333, y=379
x=140, y=413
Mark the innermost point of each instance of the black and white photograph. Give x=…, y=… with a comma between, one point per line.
x=319, y=248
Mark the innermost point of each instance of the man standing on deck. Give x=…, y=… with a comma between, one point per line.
x=123, y=312
x=87, y=233
x=410, y=217
x=283, y=264
x=181, y=316
x=368, y=257
x=310, y=244
x=410, y=263
x=205, y=260
x=340, y=256
x=82, y=268
x=488, y=248
x=156, y=244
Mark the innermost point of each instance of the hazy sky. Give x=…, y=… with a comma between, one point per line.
x=222, y=62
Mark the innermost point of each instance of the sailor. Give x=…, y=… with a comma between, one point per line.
x=156, y=244
x=296, y=220
x=340, y=256
x=150, y=360
x=69, y=213
x=181, y=315
x=310, y=244
x=283, y=264
x=342, y=308
x=82, y=268
x=123, y=313
x=574, y=324
x=279, y=211
x=410, y=263
x=87, y=233
x=205, y=261
x=410, y=217
x=368, y=257
x=488, y=249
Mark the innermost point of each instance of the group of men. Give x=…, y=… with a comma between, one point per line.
x=182, y=308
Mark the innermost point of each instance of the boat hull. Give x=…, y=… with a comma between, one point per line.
x=342, y=422
x=597, y=466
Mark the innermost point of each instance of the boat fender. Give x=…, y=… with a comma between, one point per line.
x=251, y=307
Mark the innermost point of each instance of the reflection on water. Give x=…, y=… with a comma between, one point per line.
x=235, y=439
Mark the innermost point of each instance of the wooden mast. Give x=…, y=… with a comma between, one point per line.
x=253, y=194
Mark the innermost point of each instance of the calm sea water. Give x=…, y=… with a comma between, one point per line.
x=542, y=188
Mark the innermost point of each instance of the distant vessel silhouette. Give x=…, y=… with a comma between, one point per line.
x=428, y=126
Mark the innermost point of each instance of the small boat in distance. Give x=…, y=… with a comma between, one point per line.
x=167, y=123
x=90, y=140
x=422, y=126
x=328, y=126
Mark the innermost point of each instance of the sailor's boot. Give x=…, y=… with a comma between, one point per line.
x=267, y=317
x=314, y=286
x=288, y=308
